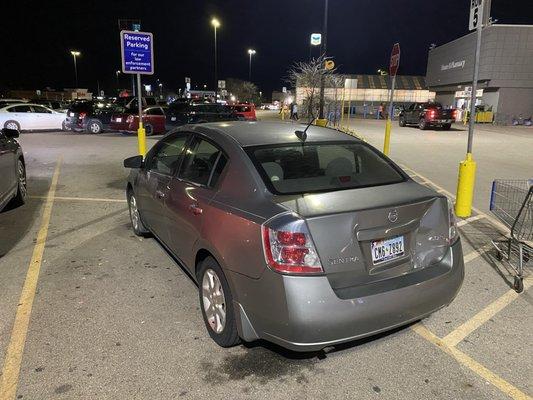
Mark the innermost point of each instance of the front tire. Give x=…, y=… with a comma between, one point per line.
x=401, y=122
x=422, y=125
x=216, y=303
x=12, y=125
x=135, y=216
x=22, y=191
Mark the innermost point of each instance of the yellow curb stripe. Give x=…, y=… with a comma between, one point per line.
x=82, y=199
x=457, y=335
x=472, y=364
x=476, y=253
x=11, y=369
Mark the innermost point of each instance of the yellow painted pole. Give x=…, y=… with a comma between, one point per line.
x=465, y=187
x=388, y=124
x=141, y=139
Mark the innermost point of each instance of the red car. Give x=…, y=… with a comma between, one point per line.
x=245, y=110
x=153, y=121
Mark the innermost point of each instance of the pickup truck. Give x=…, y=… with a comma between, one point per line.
x=425, y=115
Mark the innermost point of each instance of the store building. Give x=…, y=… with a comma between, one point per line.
x=505, y=72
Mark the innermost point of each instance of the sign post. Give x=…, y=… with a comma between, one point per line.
x=137, y=53
x=467, y=167
x=393, y=69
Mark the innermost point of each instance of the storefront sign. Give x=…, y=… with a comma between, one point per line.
x=452, y=65
x=467, y=93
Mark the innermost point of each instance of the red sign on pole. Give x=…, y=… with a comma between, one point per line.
x=394, y=59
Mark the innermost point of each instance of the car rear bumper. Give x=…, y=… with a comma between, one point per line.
x=440, y=121
x=305, y=314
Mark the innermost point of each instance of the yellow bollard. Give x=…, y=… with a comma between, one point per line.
x=141, y=138
x=321, y=122
x=465, y=187
x=386, y=145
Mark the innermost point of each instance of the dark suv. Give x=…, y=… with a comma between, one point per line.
x=91, y=116
x=180, y=113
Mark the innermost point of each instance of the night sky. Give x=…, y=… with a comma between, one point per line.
x=37, y=37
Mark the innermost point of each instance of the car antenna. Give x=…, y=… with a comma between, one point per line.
x=302, y=135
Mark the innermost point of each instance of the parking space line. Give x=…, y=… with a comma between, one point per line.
x=471, y=219
x=476, y=253
x=15, y=349
x=83, y=199
x=457, y=335
x=471, y=364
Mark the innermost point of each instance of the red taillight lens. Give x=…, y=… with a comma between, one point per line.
x=454, y=114
x=290, y=252
x=432, y=114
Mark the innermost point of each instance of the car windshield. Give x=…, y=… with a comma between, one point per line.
x=321, y=167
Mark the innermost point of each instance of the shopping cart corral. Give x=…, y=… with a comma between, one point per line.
x=512, y=203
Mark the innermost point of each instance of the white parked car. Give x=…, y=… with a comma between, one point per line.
x=28, y=116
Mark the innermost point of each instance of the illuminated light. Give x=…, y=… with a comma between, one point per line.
x=251, y=51
x=232, y=98
x=215, y=22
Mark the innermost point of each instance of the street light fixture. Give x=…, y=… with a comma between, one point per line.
x=75, y=54
x=382, y=72
x=251, y=52
x=216, y=24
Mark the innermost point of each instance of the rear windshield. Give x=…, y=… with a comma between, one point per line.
x=438, y=106
x=322, y=167
x=242, y=108
x=81, y=106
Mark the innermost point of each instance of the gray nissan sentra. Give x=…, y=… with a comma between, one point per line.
x=303, y=236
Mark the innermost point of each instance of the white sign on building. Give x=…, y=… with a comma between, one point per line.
x=476, y=14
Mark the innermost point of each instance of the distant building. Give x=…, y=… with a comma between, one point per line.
x=65, y=94
x=505, y=71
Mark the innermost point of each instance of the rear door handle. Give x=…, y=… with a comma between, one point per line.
x=195, y=209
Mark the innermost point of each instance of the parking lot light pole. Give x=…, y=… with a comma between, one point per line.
x=74, y=55
x=251, y=52
x=216, y=24
x=117, y=73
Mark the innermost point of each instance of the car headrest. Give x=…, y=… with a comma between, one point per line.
x=273, y=170
x=339, y=167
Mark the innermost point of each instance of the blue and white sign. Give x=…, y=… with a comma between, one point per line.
x=137, y=50
x=316, y=39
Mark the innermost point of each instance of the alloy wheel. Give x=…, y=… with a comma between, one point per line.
x=134, y=213
x=94, y=128
x=214, y=301
x=22, y=179
x=11, y=125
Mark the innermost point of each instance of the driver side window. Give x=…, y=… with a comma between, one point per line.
x=167, y=157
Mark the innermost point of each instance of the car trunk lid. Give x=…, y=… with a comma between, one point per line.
x=348, y=225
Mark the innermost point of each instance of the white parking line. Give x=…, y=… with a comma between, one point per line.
x=83, y=199
x=471, y=219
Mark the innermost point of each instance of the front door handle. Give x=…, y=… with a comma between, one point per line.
x=195, y=209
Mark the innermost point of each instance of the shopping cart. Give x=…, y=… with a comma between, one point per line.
x=511, y=202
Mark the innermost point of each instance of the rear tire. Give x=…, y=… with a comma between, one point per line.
x=135, y=216
x=216, y=303
x=149, y=130
x=446, y=127
x=422, y=125
x=95, y=127
x=12, y=125
x=22, y=190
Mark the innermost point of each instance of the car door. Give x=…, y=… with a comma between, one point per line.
x=190, y=193
x=22, y=114
x=44, y=118
x=154, y=181
x=7, y=166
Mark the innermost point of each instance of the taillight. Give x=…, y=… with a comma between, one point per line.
x=82, y=115
x=130, y=118
x=289, y=248
x=432, y=114
x=454, y=114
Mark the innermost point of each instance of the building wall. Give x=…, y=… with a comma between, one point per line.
x=446, y=98
x=506, y=58
x=514, y=103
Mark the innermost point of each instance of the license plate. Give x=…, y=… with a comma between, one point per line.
x=387, y=249
x=118, y=119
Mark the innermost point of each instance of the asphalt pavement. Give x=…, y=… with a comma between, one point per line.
x=114, y=317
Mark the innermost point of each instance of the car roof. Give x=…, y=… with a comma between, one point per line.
x=255, y=133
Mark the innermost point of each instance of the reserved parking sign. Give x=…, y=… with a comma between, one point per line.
x=137, y=52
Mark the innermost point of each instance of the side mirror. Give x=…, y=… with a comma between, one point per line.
x=134, y=162
x=11, y=133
